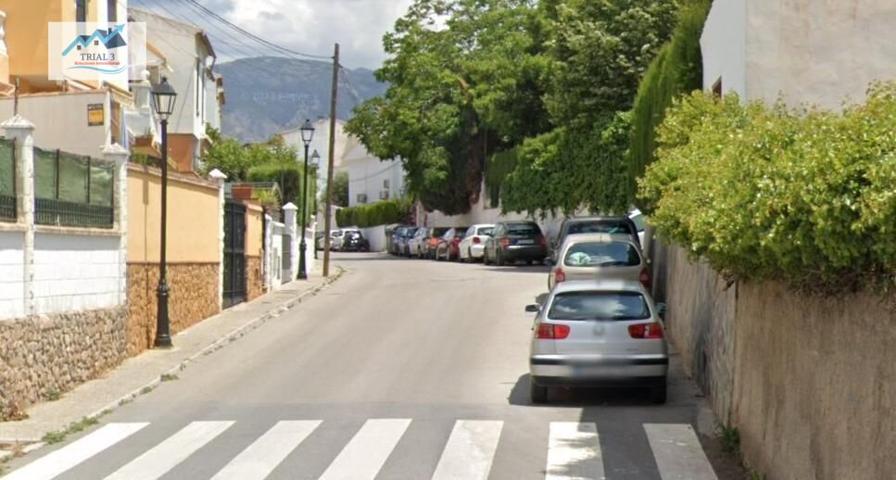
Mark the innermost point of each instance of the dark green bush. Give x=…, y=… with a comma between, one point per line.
x=379, y=213
x=676, y=70
x=806, y=197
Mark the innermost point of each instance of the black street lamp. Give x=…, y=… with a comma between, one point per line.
x=315, y=162
x=307, y=134
x=163, y=97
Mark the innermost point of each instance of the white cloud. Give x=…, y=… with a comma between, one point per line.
x=313, y=26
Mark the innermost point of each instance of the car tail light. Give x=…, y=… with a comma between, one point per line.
x=476, y=240
x=646, y=330
x=504, y=242
x=645, y=278
x=547, y=331
x=559, y=276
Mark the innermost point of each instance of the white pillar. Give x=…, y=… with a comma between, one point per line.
x=290, y=220
x=219, y=177
x=118, y=157
x=21, y=131
x=266, y=261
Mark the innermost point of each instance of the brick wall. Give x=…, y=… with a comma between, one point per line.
x=193, y=298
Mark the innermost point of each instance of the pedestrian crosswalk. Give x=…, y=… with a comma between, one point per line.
x=573, y=451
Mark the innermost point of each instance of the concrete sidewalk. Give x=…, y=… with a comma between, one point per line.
x=142, y=373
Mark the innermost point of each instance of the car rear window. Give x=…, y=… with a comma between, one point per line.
x=600, y=226
x=590, y=305
x=485, y=231
x=602, y=254
x=522, y=229
x=438, y=232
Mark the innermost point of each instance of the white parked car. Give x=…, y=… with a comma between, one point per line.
x=640, y=222
x=472, y=247
x=417, y=243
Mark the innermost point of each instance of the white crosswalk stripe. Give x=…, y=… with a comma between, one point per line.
x=262, y=457
x=469, y=452
x=166, y=455
x=678, y=453
x=62, y=460
x=367, y=451
x=574, y=452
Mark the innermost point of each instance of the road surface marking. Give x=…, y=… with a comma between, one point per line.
x=52, y=464
x=469, y=451
x=367, y=451
x=678, y=453
x=175, y=449
x=574, y=452
x=261, y=458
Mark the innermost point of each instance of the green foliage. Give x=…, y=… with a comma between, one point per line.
x=763, y=193
x=676, y=70
x=227, y=155
x=380, y=213
x=339, y=197
x=497, y=168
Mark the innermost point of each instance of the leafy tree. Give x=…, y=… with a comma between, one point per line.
x=339, y=197
x=458, y=92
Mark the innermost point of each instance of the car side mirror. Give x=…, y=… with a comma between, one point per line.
x=532, y=308
x=542, y=298
x=661, y=309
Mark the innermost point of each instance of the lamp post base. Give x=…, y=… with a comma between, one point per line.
x=303, y=275
x=163, y=337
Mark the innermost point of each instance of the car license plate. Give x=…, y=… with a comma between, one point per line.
x=525, y=241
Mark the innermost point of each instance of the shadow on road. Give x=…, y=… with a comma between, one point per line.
x=581, y=397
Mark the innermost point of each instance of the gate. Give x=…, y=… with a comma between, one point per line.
x=234, y=253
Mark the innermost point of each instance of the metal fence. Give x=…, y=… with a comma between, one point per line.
x=7, y=179
x=72, y=190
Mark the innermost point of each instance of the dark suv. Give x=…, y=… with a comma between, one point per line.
x=612, y=225
x=513, y=241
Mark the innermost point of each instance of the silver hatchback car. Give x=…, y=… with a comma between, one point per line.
x=586, y=256
x=598, y=333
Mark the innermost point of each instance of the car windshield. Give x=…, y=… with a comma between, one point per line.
x=640, y=221
x=599, y=226
x=522, y=229
x=602, y=254
x=485, y=231
x=591, y=305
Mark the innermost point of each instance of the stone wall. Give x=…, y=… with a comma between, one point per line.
x=193, y=298
x=254, y=278
x=47, y=355
x=808, y=381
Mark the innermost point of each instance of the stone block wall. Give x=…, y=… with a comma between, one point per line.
x=193, y=298
x=46, y=355
x=808, y=381
x=254, y=278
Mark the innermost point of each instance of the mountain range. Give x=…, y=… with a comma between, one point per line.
x=266, y=95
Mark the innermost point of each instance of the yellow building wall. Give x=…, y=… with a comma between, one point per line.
x=194, y=218
x=254, y=226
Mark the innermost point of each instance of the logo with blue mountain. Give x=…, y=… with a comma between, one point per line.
x=98, y=51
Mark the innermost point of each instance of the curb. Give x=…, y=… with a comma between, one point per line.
x=218, y=344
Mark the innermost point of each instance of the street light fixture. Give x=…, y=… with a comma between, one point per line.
x=307, y=134
x=163, y=98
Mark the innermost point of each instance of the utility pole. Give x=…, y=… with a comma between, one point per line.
x=330, y=155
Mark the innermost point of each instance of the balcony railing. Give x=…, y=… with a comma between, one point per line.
x=70, y=214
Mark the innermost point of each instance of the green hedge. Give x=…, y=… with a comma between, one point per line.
x=379, y=213
x=676, y=70
x=766, y=193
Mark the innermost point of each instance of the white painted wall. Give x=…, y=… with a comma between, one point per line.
x=371, y=177
x=724, y=47
x=76, y=272
x=800, y=51
x=60, y=120
x=376, y=236
x=12, y=275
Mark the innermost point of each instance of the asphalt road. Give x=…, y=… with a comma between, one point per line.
x=404, y=369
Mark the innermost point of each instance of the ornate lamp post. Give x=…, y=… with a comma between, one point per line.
x=307, y=134
x=163, y=98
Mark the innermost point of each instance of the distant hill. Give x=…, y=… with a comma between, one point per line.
x=265, y=95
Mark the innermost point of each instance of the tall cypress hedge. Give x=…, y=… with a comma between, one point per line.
x=676, y=70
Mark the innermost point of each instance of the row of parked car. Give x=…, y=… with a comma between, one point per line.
x=597, y=325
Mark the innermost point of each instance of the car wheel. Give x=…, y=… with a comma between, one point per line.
x=537, y=393
x=658, y=394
